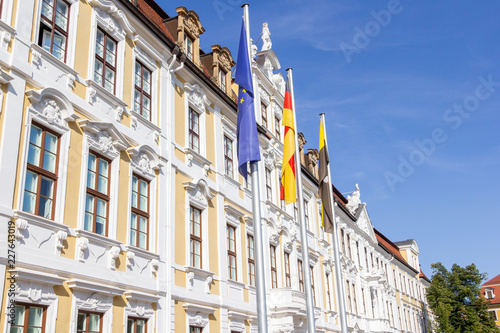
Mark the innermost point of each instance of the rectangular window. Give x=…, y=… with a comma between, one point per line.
x=97, y=198
x=494, y=315
x=251, y=260
x=277, y=127
x=142, y=92
x=28, y=318
x=228, y=156
x=306, y=214
x=371, y=257
x=274, y=272
x=354, y=298
x=195, y=238
x=194, y=130
x=364, y=303
x=349, y=253
x=195, y=329
x=295, y=211
x=41, y=173
x=54, y=22
x=222, y=79
x=366, y=258
x=231, y=251
x=288, y=280
x=89, y=322
x=301, y=275
x=357, y=252
x=349, y=303
x=395, y=282
x=189, y=47
x=140, y=213
x=342, y=240
x=105, y=61
x=269, y=191
x=328, y=296
x=263, y=109
x=136, y=325
x=312, y=285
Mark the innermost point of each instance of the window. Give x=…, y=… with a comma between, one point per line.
x=312, y=284
x=494, y=315
x=97, y=199
x=248, y=182
x=348, y=288
x=349, y=246
x=231, y=251
x=228, y=156
x=251, y=260
x=357, y=252
x=328, y=297
x=363, y=297
x=195, y=329
x=366, y=258
x=274, y=272
x=395, y=282
x=295, y=211
x=142, y=94
x=222, y=79
x=263, y=108
x=28, y=318
x=194, y=130
x=89, y=322
x=354, y=298
x=371, y=257
x=41, y=173
x=140, y=213
x=105, y=61
x=195, y=220
x=489, y=294
x=288, y=280
x=306, y=214
x=342, y=240
x=189, y=47
x=53, y=34
x=301, y=275
x=277, y=127
x=136, y=325
x=269, y=190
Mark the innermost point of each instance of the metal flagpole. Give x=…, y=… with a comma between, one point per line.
x=336, y=255
x=311, y=321
x=260, y=279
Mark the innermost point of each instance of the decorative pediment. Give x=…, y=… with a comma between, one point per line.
x=224, y=57
x=191, y=22
x=104, y=137
x=52, y=108
x=144, y=160
x=364, y=223
x=199, y=192
x=232, y=215
x=113, y=19
x=196, y=96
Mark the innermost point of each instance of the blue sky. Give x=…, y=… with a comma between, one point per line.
x=411, y=92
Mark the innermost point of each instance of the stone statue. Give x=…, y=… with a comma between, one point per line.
x=266, y=37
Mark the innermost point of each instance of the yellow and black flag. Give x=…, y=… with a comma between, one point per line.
x=325, y=188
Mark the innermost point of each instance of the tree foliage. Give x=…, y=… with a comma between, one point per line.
x=455, y=298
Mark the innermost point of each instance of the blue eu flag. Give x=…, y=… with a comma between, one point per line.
x=246, y=132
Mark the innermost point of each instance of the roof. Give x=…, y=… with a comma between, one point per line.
x=423, y=276
x=493, y=282
x=391, y=248
x=495, y=285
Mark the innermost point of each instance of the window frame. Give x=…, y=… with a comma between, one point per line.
x=54, y=27
x=312, y=284
x=251, y=259
x=328, y=295
x=231, y=254
x=193, y=238
x=103, y=60
x=228, y=156
x=273, y=265
x=189, y=50
x=222, y=79
x=192, y=132
x=348, y=241
x=139, y=212
x=269, y=185
x=26, y=315
x=141, y=91
x=40, y=171
x=192, y=329
x=277, y=127
x=263, y=111
x=288, y=277
x=96, y=194
x=87, y=313
x=300, y=272
x=135, y=323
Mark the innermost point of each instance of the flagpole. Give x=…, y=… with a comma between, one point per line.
x=260, y=279
x=338, y=271
x=311, y=321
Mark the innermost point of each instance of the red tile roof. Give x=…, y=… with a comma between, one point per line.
x=155, y=14
x=495, y=285
x=390, y=246
x=423, y=276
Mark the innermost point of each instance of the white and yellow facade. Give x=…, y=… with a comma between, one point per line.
x=118, y=168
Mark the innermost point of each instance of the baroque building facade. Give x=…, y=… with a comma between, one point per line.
x=122, y=196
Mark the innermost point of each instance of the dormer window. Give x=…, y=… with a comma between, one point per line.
x=222, y=79
x=488, y=293
x=189, y=47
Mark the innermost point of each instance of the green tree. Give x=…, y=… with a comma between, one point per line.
x=455, y=298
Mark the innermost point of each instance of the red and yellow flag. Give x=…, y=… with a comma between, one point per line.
x=288, y=191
